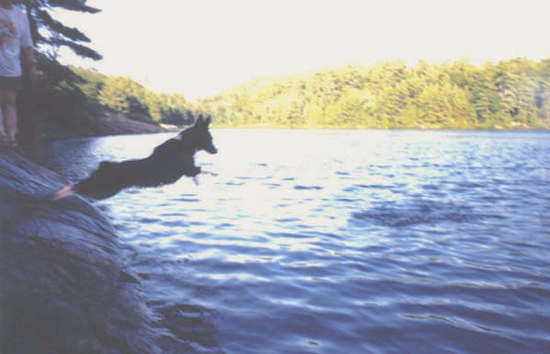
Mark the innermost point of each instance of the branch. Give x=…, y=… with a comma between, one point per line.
x=56, y=26
x=73, y=6
x=79, y=49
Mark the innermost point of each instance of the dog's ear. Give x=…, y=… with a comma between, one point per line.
x=208, y=120
x=200, y=121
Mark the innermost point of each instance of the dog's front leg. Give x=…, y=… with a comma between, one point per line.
x=194, y=171
x=205, y=172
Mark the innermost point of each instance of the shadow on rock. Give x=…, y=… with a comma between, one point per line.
x=64, y=288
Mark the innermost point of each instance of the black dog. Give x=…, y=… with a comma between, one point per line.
x=169, y=162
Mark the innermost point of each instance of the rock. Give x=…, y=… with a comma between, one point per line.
x=63, y=287
x=114, y=123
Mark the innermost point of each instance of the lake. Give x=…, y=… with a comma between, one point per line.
x=340, y=241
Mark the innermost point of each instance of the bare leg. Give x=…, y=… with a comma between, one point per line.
x=9, y=113
x=2, y=125
x=2, y=130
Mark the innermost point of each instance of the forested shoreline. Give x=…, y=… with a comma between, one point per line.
x=513, y=94
x=510, y=94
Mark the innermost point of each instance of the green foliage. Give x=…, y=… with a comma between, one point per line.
x=453, y=95
x=126, y=96
x=56, y=99
x=51, y=34
x=69, y=98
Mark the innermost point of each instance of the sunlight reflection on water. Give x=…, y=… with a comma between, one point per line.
x=341, y=241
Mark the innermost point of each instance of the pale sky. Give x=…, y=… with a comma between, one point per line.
x=201, y=47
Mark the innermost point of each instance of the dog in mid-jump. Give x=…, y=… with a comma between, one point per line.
x=169, y=162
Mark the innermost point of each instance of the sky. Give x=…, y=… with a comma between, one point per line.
x=199, y=48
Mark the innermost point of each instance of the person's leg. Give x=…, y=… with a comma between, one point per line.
x=9, y=113
x=2, y=124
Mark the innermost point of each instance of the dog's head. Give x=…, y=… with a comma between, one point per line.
x=198, y=136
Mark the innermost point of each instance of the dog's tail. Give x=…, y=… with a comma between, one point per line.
x=64, y=192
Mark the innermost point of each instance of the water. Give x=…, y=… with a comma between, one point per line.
x=341, y=241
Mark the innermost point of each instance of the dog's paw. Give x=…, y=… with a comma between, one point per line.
x=64, y=192
x=196, y=180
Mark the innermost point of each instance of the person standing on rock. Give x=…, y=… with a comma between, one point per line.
x=16, y=48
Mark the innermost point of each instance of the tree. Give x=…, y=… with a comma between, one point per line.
x=459, y=95
x=115, y=94
x=542, y=97
x=56, y=99
x=49, y=34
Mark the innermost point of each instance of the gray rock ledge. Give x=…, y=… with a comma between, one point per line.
x=63, y=287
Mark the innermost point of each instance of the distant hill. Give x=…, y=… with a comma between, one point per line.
x=97, y=104
x=125, y=96
x=512, y=94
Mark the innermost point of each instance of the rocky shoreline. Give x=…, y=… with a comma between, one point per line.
x=64, y=288
x=115, y=123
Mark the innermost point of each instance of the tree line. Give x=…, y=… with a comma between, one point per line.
x=73, y=99
x=453, y=95
x=124, y=95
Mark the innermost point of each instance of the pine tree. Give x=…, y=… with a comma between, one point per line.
x=51, y=35
x=56, y=98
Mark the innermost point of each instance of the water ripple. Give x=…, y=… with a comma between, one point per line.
x=390, y=242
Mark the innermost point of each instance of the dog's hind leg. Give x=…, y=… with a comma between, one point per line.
x=64, y=192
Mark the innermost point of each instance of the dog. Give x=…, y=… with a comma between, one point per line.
x=168, y=163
